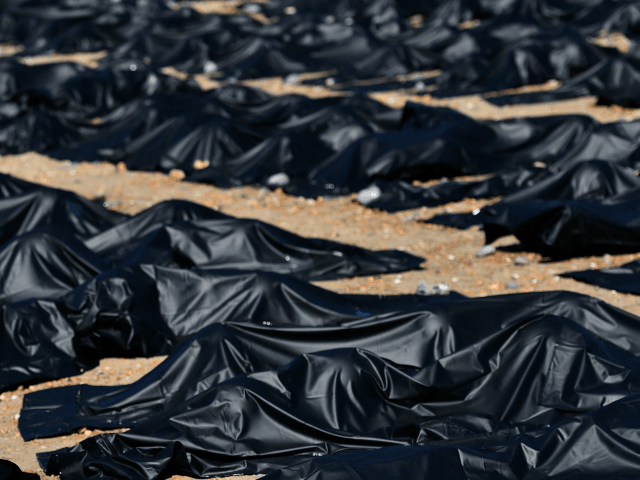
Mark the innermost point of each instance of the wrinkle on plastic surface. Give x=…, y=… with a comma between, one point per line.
x=427, y=376
x=79, y=282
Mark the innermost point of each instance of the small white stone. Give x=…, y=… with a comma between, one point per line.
x=210, y=67
x=369, y=194
x=278, y=180
x=252, y=8
x=486, y=251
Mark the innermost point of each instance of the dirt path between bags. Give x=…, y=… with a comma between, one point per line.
x=450, y=253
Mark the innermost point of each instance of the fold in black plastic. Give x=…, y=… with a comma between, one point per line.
x=585, y=208
x=625, y=278
x=153, y=122
x=66, y=300
x=376, y=383
x=10, y=471
x=568, y=228
x=149, y=310
x=584, y=446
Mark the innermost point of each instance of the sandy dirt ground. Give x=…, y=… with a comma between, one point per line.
x=450, y=254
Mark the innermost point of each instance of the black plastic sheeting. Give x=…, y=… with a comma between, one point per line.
x=588, y=209
x=314, y=319
x=625, y=278
x=432, y=375
x=148, y=310
x=399, y=195
x=152, y=121
x=583, y=180
x=10, y=471
x=266, y=373
x=595, y=451
x=614, y=81
x=530, y=42
x=79, y=283
x=173, y=233
x=567, y=228
x=248, y=137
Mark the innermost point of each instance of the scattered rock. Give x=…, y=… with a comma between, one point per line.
x=486, y=251
x=252, y=8
x=369, y=194
x=278, y=180
x=426, y=289
x=512, y=285
x=210, y=67
x=201, y=164
x=177, y=174
x=292, y=78
x=520, y=260
x=411, y=217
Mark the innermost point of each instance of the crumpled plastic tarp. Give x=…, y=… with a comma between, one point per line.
x=237, y=135
x=584, y=446
x=66, y=294
x=584, y=180
x=591, y=208
x=153, y=121
x=266, y=372
x=614, y=81
x=174, y=232
x=433, y=373
x=625, y=278
x=148, y=310
x=11, y=471
x=360, y=39
x=567, y=228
